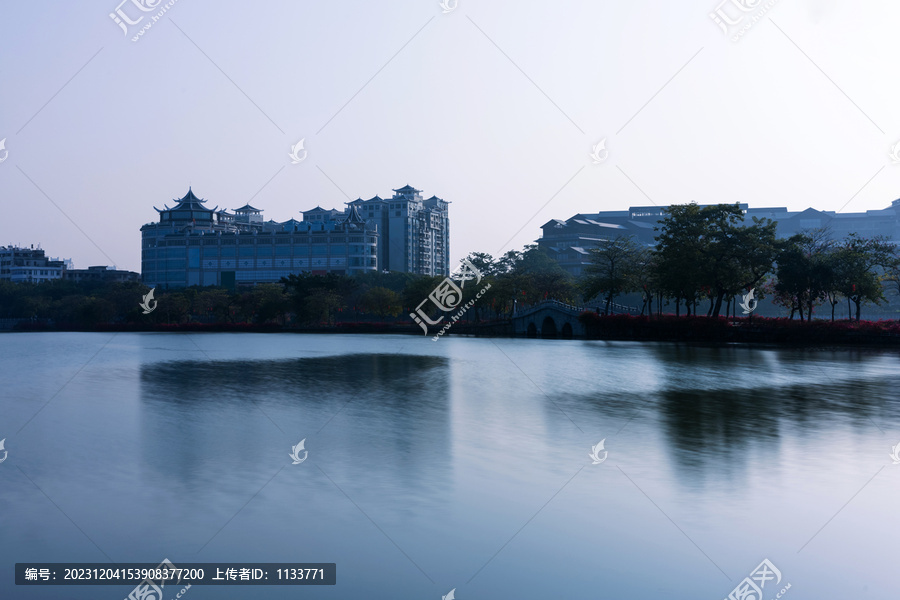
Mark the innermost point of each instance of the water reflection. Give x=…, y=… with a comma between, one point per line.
x=213, y=421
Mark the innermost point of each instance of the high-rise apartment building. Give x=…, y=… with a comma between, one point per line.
x=415, y=232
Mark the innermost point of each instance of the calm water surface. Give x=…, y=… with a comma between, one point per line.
x=457, y=464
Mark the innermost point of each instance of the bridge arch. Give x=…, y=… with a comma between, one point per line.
x=532, y=331
x=566, y=331
x=548, y=328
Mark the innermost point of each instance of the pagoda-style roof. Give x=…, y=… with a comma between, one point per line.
x=188, y=202
x=407, y=188
x=247, y=208
x=353, y=216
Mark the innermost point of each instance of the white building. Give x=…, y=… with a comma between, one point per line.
x=21, y=265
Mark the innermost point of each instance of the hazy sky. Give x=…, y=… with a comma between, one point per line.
x=494, y=106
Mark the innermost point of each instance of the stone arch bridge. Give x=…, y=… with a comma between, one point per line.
x=552, y=319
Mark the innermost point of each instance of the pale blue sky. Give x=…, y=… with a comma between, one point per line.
x=493, y=106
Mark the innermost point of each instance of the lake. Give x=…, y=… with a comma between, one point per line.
x=459, y=464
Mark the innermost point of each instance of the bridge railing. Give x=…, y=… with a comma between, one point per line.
x=613, y=308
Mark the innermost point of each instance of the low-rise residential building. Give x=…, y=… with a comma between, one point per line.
x=21, y=265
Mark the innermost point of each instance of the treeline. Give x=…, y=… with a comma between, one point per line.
x=518, y=278
x=710, y=254
x=705, y=260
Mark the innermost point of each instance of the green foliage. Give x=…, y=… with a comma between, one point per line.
x=381, y=301
x=614, y=269
x=710, y=251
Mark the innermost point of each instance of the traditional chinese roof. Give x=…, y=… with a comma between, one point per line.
x=188, y=202
x=407, y=188
x=353, y=216
x=247, y=208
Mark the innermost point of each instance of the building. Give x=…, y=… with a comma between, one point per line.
x=415, y=233
x=193, y=244
x=102, y=273
x=570, y=241
x=29, y=264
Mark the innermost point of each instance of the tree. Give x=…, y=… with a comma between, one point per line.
x=805, y=270
x=483, y=262
x=613, y=268
x=316, y=298
x=710, y=251
x=381, y=301
x=860, y=262
x=678, y=254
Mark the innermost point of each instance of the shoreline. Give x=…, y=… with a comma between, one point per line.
x=760, y=332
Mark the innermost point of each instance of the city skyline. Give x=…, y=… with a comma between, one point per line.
x=97, y=127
